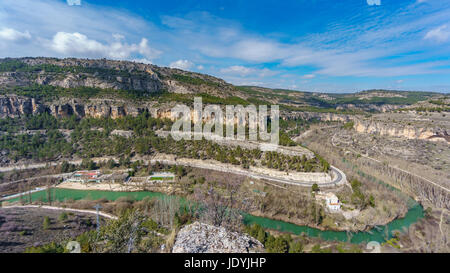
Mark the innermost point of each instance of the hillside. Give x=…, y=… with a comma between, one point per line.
x=51, y=79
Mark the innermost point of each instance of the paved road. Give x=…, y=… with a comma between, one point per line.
x=338, y=176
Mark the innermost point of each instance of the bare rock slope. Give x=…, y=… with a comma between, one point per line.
x=204, y=238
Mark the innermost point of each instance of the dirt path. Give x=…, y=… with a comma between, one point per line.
x=62, y=175
x=35, y=165
x=106, y=215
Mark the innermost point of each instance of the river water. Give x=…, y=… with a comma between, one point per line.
x=379, y=234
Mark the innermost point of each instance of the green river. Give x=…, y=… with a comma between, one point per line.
x=378, y=234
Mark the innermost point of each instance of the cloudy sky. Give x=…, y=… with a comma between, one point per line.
x=312, y=45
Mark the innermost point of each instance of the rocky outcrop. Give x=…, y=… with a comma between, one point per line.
x=94, y=108
x=318, y=116
x=398, y=130
x=149, y=83
x=370, y=107
x=108, y=74
x=372, y=126
x=14, y=106
x=204, y=238
x=174, y=87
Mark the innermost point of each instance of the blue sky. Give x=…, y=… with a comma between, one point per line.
x=314, y=45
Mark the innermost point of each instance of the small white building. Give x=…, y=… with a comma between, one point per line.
x=85, y=176
x=331, y=200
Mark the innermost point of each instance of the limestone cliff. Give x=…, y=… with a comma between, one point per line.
x=389, y=129
x=16, y=106
x=365, y=125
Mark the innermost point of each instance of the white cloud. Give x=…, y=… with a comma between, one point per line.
x=237, y=70
x=399, y=81
x=440, y=34
x=374, y=2
x=181, y=64
x=308, y=76
x=200, y=67
x=143, y=60
x=45, y=18
x=242, y=71
x=118, y=36
x=337, y=52
x=77, y=44
x=10, y=34
x=74, y=2
x=253, y=50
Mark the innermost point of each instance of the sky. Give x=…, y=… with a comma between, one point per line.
x=308, y=45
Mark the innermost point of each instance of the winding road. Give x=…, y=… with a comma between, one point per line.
x=338, y=177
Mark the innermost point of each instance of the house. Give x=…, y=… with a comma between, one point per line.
x=331, y=200
x=85, y=176
x=333, y=203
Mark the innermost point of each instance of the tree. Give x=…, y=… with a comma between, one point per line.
x=276, y=244
x=111, y=163
x=48, y=248
x=296, y=247
x=180, y=171
x=65, y=166
x=63, y=217
x=124, y=161
x=124, y=234
x=88, y=164
x=261, y=236
x=315, y=188
x=428, y=212
x=220, y=208
x=371, y=201
x=46, y=223
x=49, y=195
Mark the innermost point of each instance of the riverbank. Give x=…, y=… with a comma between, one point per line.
x=169, y=190
x=347, y=228
x=379, y=234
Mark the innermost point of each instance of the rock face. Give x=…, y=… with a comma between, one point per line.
x=370, y=126
x=398, y=130
x=108, y=74
x=317, y=115
x=139, y=78
x=370, y=107
x=409, y=132
x=14, y=106
x=203, y=238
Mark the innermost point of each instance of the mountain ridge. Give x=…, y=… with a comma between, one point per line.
x=50, y=78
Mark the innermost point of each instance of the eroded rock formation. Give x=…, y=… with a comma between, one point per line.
x=204, y=238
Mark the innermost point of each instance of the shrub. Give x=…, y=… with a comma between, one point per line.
x=46, y=223
x=63, y=217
